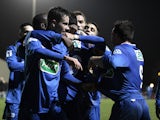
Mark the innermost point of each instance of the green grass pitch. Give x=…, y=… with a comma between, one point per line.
x=106, y=105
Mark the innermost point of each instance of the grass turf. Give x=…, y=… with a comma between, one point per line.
x=106, y=105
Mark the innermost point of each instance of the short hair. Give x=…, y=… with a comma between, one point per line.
x=38, y=19
x=72, y=19
x=22, y=29
x=57, y=13
x=24, y=24
x=94, y=23
x=77, y=12
x=124, y=29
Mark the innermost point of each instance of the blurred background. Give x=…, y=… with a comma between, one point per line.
x=144, y=15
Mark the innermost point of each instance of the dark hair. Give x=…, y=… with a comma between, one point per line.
x=57, y=13
x=77, y=12
x=125, y=29
x=24, y=24
x=94, y=23
x=38, y=19
x=72, y=19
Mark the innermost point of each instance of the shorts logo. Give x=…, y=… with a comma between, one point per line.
x=49, y=66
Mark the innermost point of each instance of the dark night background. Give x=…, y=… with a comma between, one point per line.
x=144, y=14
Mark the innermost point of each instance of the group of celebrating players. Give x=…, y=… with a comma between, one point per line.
x=60, y=66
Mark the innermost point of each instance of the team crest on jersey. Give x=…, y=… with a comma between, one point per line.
x=139, y=55
x=109, y=73
x=49, y=66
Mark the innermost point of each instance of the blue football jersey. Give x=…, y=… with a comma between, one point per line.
x=15, y=61
x=42, y=70
x=83, y=51
x=44, y=56
x=124, y=72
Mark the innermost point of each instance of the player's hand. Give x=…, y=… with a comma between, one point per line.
x=70, y=35
x=74, y=62
x=158, y=112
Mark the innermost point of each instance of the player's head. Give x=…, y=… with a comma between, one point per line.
x=122, y=31
x=91, y=28
x=81, y=19
x=58, y=19
x=73, y=23
x=39, y=22
x=24, y=29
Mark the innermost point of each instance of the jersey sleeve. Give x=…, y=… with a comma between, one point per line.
x=14, y=64
x=35, y=47
x=116, y=59
x=91, y=39
x=49, y=36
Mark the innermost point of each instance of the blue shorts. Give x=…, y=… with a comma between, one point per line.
x=11, y=111
x=81, y=109
x=55, y=113
x=130, y=109
x=93, y=113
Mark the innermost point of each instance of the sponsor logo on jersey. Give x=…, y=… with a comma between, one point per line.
x=49, y=66
x=77, y=43
x=139, y=55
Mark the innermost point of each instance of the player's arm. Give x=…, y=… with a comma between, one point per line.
x=100, y=61
x=12, y=60
x=70, y=79
x=51, y=36
x=34, y=47
x=116, y=59
x=90, y=38
x=66, y=75
x=86, y=38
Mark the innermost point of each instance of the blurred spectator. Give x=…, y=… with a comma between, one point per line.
x=3, y=87
x=150, y=91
